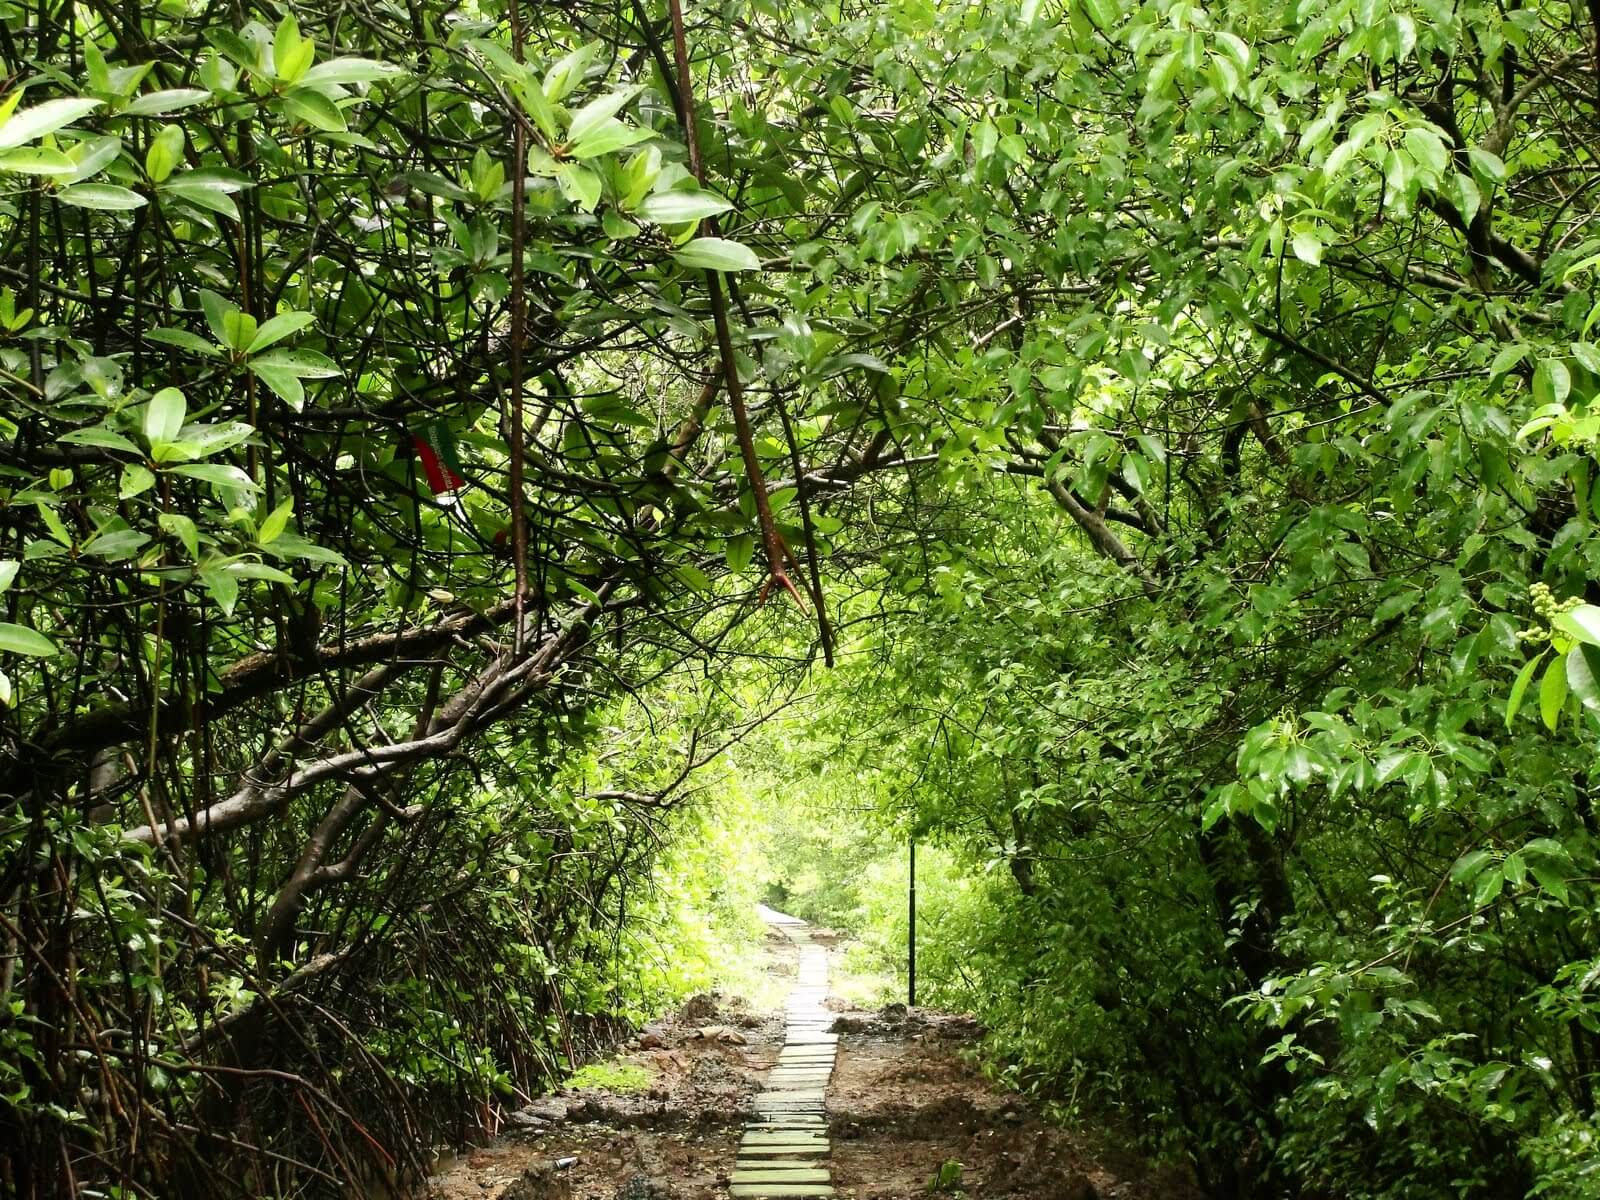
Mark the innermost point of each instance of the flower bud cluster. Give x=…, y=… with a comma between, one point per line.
x=1548, y=608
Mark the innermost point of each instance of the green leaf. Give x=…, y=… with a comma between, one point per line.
x=1428, y=150
x=104, y=196
x=282, y=371
x=1403, y=30
x=257, y=570
x=1552, y=382
x=92, y=155
x=135, y=481
x=562, y=78
x=1520, y=688
x=19, y=639
x=183, y=340
x=538, y=107
x=1553, y=693
x=291, y=54
x=1341, y=156
x=164, y=153
x=33, y=123
x=717, y=254
x=580, y=184
x=741, y=549
x=8, y=573
x=218, y=475
x=221, y=178
x=306, y=364
x=212, y=197
x=1550, y=879
x=234, y=47
x=694, y=577
x=1506, y=359
x=1582, y=624
x=98, y=435
x=182, y=528
x=33, y=160
x=610, y=137
x=206, y=440
x=289, y=545
x=1487, y=165
x=155, y=104
x=275, y=523
x=163, y=416
x=597, y=113
x=285, y=385
x=1515, y=869
x=222, y=587
x=1468, y=865
x=1488, y=886
x=1103, y=13
x=617, y=228
x=351, y=70
x=216, y=310
x=1583, y=675
x=680, y=208
x=312, y=108
x=1464, y=194
x=1308, y=247
x=115, y=545
x=54, y=525
x=278, y=328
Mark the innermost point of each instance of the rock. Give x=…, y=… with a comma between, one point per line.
x=851, y=1025
x=542, y=1181
x=650, y=1041
x=721, y=1033
x=540, y=1111
x=698, y=1008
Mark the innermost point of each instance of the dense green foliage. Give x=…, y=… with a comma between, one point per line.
x=1173, y=420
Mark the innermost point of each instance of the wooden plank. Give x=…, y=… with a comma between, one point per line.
x=780, y=1175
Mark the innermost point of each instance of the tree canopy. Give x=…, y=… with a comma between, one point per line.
x=437, y=437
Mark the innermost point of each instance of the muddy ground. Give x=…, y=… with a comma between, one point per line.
x=903, y=1101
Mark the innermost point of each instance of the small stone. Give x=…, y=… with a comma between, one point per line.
x=537, y=1112
x=698, y=1008
x=722, y=1033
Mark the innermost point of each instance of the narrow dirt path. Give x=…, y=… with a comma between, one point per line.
x=726, y=1100
x=785, y=1143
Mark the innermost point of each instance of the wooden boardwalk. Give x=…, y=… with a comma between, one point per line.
x=784, y=1150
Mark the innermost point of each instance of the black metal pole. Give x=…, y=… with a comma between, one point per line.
x=911, y=940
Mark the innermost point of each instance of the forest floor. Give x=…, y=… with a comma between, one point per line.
x=904, y=1099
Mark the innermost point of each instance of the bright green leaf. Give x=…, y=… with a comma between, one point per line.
x=717, y=254
x=19, y=639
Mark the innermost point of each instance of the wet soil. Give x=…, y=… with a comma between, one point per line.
x=904, y=1100
x=673, y=1138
